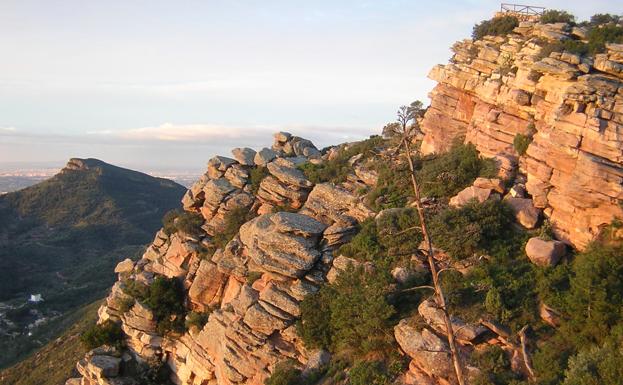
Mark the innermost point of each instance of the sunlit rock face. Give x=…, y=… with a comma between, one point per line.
x=252, y=286
x=498, y=87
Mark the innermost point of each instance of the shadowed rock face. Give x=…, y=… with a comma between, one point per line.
x=498, y=87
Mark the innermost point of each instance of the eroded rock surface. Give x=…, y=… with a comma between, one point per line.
x=498, y=87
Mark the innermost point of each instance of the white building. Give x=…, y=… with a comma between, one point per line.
x=35, y=298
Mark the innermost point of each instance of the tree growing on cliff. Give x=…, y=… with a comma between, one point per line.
x=408, y=134
x=409, y=114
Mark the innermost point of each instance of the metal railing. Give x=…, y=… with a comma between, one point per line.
x=527, y=10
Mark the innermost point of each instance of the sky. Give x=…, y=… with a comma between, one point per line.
x=168, y=84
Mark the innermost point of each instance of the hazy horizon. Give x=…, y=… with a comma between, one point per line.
x=161, y=85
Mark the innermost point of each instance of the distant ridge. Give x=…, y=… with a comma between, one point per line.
x=61, y=237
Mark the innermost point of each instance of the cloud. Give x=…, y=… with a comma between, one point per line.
x=228, y=134
x=8, y=129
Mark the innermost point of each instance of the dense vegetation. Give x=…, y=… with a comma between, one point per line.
x=521, y=143
x=256, y=175
x=355, y=313
x=185, y=221
x=447, y=174
x=165, y=298
x=502, y=285
x=474, y=228
x=495, y=27
x=557, y=16
x=338, y=168
x=233, y=220
x=440, y=176
x=106, y=333
x=63, y=237
x=393, y=236
x=601, y=29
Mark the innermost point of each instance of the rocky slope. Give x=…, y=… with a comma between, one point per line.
x=252, y=285
x=572, y=106
x=252, y=328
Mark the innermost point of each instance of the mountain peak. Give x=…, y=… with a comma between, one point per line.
x=84, y=164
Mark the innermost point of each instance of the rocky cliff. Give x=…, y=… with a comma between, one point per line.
x=495, y=91
x=572, y=107
x=251, y=328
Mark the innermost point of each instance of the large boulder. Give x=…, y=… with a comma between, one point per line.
x=525, y=212
x=471, y=193
x=434, y=316
x=329, y=203
x=284, y=243
x=429, y=352
x=245, y=156
x=543, y=252
x=125, y=266
x=264, y=156
x=288, y=175
x=490, y=183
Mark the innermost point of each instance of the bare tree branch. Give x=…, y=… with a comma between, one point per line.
x=524, y=352
x=407, y=135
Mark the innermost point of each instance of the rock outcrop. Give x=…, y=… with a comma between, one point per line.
x=498, y=87
x=251, y=287
x=545, y=252
x=249, y=283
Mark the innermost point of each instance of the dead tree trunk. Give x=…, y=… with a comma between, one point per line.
x=439, y=297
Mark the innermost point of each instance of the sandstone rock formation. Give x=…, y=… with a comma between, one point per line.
x=543, y=252
x=251, y=325
x=572, y=107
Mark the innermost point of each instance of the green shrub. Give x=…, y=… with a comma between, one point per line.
x=197, y=319
x=364, y=246
x=599, y=36
x=233, y=220
x=106, y=333
x=446, y=174
x=577, y=47
x=315, y=325
x=495, y=27
x=396, y=235
x=356, y=314
x=185, y=221
x=597, y=365
x=165, y=298
x=393, y=187
x=336, y=170
x=256, y=176
x=168, y=221
x=135, y=289
x=595, y=297
x=521, y=143
x=285, y=373
x=557, y=16
x=126, y=304
x=152, y=372
x=494, y=366
x=474, y=228
x=589, y=294
x=189, y=223
x=604, y=18
x=369, y=373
